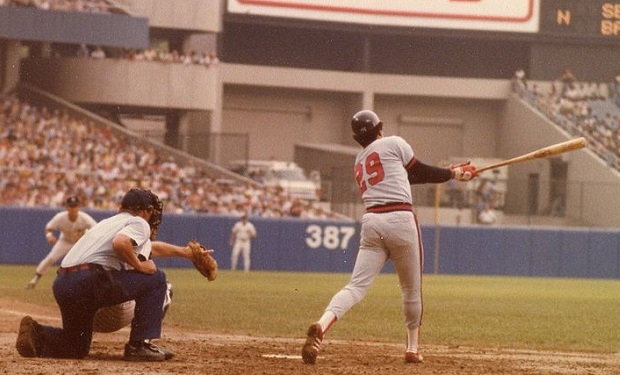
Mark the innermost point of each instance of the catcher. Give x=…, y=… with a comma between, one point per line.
x=109, y=265
x=112, y=318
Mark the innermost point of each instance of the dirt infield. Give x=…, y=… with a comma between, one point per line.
x=212, y=353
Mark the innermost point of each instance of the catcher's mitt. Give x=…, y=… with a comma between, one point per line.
x=203, y=261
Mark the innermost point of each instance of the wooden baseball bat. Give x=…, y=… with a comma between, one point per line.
x=545, y=152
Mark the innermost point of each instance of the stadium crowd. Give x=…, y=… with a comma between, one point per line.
x=90, y=6
x=207, y=59
x=46, y=155
x=587, y=109
x=164, y=55
x=191, y=58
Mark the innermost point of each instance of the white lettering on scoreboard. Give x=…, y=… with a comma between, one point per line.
x=487, y=15
x=610, y=19
x=331, y=237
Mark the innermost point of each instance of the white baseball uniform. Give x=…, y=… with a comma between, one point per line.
x=243, y=232
x=389, y=230
x=70, y=232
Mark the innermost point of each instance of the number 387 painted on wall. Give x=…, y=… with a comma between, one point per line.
x=331, y=237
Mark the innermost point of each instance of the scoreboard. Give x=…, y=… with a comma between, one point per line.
x=597, y=20
x=580, y=18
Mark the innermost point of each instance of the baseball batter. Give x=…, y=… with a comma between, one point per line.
x=71, y=224
x=384, y=171
x=240, y=239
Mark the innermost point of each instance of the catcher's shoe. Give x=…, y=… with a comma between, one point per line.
x=413, y=357
x=143, y=351
x=169, y=354
x=30, y=338
x=312, y=346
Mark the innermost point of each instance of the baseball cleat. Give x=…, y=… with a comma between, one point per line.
x=168, y=354
x=413, y=357
x=29, y=339
x=312, y=345
x=143, y=351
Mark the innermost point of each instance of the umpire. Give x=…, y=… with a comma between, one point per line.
x=110, y=264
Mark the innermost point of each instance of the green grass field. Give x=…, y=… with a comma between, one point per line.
x=523, y=313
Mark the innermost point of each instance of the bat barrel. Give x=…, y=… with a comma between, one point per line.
x=545, y=152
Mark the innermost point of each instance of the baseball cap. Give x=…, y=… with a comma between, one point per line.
x=72, y=201
x=137, y=199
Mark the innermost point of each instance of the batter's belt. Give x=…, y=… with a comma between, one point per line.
x=390, y=207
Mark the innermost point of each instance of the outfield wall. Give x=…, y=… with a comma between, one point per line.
x=331, y=246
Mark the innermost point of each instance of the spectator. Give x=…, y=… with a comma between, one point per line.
x=98, y=53
x=38, y=144
x=83, y=51
x=456, y=198
x=518, y=80
x=487, y=215
x=569, y=104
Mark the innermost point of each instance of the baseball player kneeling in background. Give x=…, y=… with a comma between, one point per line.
x=384, y=171
x=109, y=265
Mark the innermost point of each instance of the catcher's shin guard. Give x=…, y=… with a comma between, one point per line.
x=168, y=298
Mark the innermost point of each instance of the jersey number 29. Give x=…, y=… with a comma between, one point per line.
x=371, y=167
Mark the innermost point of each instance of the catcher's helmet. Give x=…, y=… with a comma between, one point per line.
x=365, y=125
x=138, y=199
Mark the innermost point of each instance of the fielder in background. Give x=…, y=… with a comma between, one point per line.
x=241, y=236
x=71, y=224
x=384, y=171
x=109, y=265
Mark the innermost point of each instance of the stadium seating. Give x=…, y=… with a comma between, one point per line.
x=585, y=109
x=47, y=154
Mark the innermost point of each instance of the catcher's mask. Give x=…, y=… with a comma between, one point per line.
x=142, y=199
x=138, y=199
x=365, y=125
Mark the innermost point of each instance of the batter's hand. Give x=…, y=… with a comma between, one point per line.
x=464, y=171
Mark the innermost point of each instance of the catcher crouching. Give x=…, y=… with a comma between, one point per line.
x=110, y=265
x=113, y=318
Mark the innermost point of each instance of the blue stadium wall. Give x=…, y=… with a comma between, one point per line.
x=331, y=246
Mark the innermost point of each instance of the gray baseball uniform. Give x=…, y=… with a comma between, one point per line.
x=389, y=228
x=384, y=171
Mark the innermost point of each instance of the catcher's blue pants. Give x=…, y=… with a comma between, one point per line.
x=81, y=292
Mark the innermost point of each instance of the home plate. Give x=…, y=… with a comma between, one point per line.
x=281, y=356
